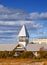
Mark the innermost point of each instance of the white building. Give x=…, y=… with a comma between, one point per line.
x=23, y=43
x=40, y=40
x=23, y=36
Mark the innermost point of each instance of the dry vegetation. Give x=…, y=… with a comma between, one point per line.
x=25, y=58
x=12, y=61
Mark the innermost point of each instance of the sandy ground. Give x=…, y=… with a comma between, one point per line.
x=23, y=62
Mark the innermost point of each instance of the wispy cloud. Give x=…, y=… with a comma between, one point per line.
x=11, y=14
x=18, y=14
x=11, y=21
x=14, y=23
x=36, y=15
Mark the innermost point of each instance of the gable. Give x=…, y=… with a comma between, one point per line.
x=19, y=47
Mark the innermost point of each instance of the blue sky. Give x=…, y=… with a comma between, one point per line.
x=15, y=13
x=27, y=5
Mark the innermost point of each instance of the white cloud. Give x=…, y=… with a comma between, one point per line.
x=7, y=22
x=20, y=17
x=38, y=25
x=7, y=31
x=18, y=14
x=43, y=15
x=8, y=13
x=14, y=17
x=36, y=15
x=15, y=22
x=32, y=23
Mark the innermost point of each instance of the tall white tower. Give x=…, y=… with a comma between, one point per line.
x=23, y=36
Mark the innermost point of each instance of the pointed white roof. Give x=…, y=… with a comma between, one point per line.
x=23, y=32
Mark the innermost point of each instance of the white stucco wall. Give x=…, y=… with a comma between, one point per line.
x=40, y=41
x=23, y=43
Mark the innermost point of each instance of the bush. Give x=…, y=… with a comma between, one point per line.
x=43, y=54
x=26, y=55
x=4, y=54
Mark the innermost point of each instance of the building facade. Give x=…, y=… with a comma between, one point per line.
x=40, y=40
x=24, y=45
